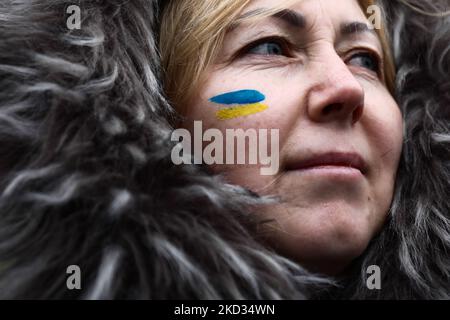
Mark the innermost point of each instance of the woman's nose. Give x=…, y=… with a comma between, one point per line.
x=335, y=94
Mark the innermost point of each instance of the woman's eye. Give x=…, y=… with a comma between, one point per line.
x=366, y=60
x=267, y=48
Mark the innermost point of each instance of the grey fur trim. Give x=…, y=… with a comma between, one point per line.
x=86, y=176
x=413, y=250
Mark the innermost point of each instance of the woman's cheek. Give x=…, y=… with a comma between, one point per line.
x=383, y=128
x=386, y=132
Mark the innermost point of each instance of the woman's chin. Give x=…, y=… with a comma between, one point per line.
x=323, y=238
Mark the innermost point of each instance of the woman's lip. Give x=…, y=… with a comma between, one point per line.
x=332, y=173
x=331, y=161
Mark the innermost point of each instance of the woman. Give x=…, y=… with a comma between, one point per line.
x=325, y=83
x=89, y=179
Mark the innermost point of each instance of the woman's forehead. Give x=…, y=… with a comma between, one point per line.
x=303, y=11
x=347, y=19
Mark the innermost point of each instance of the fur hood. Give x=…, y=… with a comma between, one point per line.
x=86, y=176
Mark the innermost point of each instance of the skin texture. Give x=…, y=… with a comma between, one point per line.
x=323, y=97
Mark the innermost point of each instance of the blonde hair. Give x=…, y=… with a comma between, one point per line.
x=193, y=31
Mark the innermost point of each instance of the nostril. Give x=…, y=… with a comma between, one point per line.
x=357, y=114
x=332, y=107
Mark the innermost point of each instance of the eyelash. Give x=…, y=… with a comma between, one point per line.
x=287, y=48
x=285, y=45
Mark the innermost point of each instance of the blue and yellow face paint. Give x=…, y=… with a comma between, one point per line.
x=242, y=102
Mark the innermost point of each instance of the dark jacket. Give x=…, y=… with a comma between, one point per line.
x=87, y=180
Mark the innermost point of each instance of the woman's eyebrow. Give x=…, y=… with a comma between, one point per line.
x=290, y=17
x=356, y=27
x=296, y=20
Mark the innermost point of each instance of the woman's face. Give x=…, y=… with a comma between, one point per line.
x=340, y=130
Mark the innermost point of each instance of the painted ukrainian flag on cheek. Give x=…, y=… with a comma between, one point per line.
x=240, y=103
